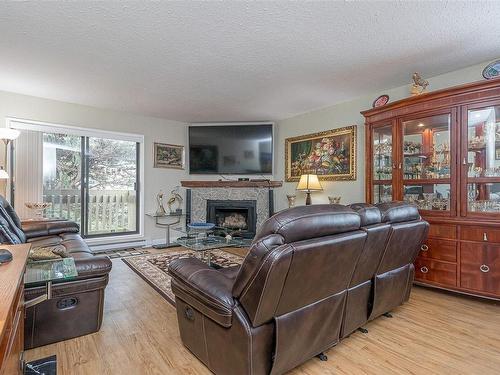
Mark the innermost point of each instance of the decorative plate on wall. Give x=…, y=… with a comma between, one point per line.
x=380, y=101
x=492, y=70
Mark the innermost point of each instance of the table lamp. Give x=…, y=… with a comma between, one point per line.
x=309, y=183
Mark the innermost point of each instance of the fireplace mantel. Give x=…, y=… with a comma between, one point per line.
x=231, y=184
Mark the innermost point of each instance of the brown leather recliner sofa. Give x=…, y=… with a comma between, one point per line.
x=313, y=275
x=76, y=307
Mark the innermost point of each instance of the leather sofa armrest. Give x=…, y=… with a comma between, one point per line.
x=34, y=229
x=204, y=288
x=93, y=266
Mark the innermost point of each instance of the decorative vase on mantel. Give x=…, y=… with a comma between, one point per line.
x=291, y=200
x=334, y=200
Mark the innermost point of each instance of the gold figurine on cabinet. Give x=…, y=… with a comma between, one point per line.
x=419, y=85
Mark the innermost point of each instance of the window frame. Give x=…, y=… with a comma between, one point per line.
x=39, y=126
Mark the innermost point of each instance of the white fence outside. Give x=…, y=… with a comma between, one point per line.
x=109, y=211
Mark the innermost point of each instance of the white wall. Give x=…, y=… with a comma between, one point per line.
x=153, y=129
x=345, y=114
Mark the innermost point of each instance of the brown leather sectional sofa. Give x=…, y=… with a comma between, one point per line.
x=313, y=275
x=76, y=307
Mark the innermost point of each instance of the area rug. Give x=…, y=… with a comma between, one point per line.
x=153, y=268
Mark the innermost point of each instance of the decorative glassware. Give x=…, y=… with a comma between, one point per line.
x=38, y=207
x=334, y=200
x=160, y=211
x=291, y=200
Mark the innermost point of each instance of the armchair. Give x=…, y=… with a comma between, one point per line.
x=76, y=308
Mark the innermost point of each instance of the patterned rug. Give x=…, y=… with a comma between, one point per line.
x=153, y=268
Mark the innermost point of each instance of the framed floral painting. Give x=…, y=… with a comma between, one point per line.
x=330, y=154
x=168, y=156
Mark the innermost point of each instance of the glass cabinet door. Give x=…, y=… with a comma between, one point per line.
x=482, y=160
x=382, y=169
x=426, y=162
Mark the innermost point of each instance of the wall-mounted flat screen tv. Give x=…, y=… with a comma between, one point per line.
x=231, y=149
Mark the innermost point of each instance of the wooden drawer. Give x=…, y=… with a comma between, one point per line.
x=480, y=267
x=439, y=249
x=443, y=231
x=436, y=271
x=478, y=233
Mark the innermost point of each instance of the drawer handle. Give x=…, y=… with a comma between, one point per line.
x=485, y=237
x=424, y=269
x=484, y=268
x=424, y=247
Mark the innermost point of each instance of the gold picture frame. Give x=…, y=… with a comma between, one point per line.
x=168, y=156
x=330, y=154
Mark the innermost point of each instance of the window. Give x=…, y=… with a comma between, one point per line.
x=90, y=177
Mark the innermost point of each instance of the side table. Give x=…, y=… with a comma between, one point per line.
x=166, y=221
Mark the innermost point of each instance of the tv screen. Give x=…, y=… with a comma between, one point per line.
x=231, y=149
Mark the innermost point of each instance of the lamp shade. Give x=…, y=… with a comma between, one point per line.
x=3, y=174
x=309, y=182
x=9, y=134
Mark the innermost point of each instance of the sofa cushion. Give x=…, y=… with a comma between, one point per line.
x=86, y=263
x=48, y=252
x=33, y=229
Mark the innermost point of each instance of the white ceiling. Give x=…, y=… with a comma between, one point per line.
x=234, y=61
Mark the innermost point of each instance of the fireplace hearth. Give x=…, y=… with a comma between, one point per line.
x=235, y=215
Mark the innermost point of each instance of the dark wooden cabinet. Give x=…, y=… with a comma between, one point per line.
x=441, y=151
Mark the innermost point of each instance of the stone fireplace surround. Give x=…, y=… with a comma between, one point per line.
x=198, y=193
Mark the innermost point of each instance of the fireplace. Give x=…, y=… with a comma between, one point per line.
x=236, y=215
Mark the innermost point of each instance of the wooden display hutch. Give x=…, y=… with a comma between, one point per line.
x=441, y=151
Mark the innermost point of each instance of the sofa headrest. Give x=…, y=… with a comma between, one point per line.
x=10, y=211
x=369, y=214
x=305, y=222
x=397, y=212
x=10, y=233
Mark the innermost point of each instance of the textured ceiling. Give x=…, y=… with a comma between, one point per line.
x=234, y=61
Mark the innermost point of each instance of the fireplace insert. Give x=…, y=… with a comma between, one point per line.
x=238, y=216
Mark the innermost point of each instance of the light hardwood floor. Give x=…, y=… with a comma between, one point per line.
x=435, y=333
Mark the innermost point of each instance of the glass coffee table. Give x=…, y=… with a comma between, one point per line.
x=202, y=242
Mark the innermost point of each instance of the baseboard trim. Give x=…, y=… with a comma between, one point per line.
x=127, y=244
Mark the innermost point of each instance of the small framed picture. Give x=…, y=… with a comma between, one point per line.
x=168, y=156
